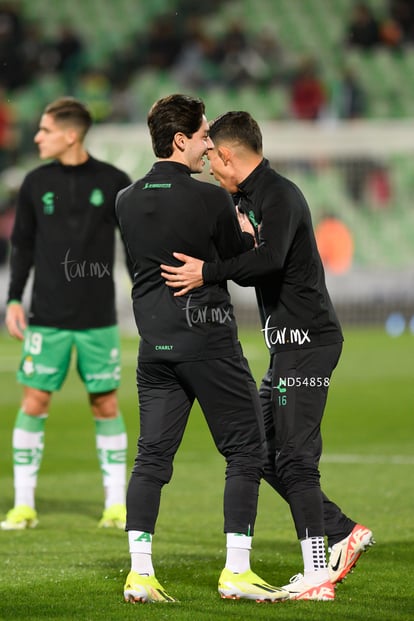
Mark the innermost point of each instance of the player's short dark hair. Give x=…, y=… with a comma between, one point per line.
x=237, y=126
x=172, y=114
x=70, y=111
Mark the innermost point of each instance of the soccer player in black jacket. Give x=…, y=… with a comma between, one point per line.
x=65, y=232
x=188, y=350
x=303, y=337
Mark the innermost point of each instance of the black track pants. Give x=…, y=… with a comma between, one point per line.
x=292, y=411
x=228, y=396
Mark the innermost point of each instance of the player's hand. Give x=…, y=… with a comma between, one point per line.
x=245, y=225
x=15, y=320
x=185, y=277
x=244, y=222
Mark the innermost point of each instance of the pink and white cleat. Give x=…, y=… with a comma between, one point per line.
x=345, y=553
x=299, y=588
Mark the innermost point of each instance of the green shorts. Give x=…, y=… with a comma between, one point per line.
x=47, y=354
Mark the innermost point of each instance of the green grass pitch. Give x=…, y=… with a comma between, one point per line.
x=67, y=569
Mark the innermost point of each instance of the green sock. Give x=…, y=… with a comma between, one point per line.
x=111, y=444
x=28, y=445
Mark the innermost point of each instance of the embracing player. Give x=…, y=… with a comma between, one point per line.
x=304, y=339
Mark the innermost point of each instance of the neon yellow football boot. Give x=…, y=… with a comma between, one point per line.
x=113, y=517
x=145, y=589
x=19, y=518
x=248, y=585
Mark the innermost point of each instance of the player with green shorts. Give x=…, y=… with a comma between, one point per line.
x=65, y=232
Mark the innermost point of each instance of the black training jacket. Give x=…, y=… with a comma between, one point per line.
x=65, y=229
x=168, y=211
x=286, y=270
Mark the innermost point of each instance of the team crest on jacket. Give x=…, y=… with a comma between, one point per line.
x=48, y=200
x=96, y=198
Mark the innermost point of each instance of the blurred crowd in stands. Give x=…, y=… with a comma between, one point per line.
x=368, y=31
x=193, y=58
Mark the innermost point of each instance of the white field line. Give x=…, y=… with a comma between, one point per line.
x=339, y=458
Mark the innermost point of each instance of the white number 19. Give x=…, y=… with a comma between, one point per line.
x=33, y=343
